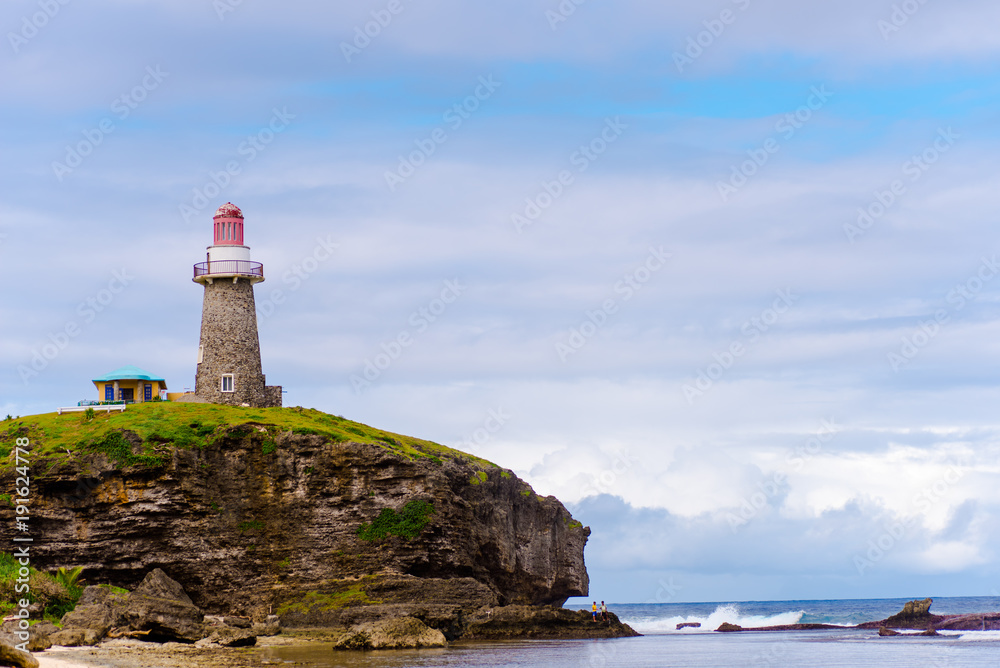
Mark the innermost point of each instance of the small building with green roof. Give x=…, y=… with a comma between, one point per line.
x=129, y=384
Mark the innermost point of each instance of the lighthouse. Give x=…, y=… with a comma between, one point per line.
x=229, y=369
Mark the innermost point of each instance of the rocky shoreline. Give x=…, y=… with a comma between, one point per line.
x=915, y=615
x=135, y=628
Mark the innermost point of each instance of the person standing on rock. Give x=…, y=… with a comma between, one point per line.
x=604, y=611
x=593, y=611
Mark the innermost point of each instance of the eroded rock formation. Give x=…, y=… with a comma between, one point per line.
x=255, y=521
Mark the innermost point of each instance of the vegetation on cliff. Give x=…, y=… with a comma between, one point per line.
x=161, y=425
x=408, y=523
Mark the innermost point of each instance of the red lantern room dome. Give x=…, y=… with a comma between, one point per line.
x=227, y=225
x=228, y=210
x=228, y=257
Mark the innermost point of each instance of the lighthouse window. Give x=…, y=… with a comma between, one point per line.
x=227, y=382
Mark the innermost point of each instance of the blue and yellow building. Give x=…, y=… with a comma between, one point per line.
x=129, y=384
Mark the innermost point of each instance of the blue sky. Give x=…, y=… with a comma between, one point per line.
x=670, y=313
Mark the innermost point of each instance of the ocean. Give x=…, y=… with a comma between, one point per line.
x=664, y=646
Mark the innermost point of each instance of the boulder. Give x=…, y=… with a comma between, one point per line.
x=914, y=615
x=398, y=633
x=38, y=635
x=158, y=584
x=75, y=637
x=270, y=627
x=11, y=656
x=917, y=608
x=884, y=631
x=162, y=611
x=689, y=625
x=726, y=627
x=94, y=617
x=230, y=637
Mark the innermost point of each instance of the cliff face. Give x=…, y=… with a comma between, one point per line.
x=257, y=519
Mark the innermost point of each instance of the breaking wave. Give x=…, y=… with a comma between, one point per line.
x=724, y=613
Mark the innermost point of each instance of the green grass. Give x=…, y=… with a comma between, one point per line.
x=353, y=595
x=250, y=526
x=184, y=425
x=119, y=450
x=113, y=589
x=407, y=524
x=478, y=478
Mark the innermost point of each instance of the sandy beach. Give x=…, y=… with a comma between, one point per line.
x=137, y=654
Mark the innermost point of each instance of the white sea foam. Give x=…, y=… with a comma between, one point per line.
x=724, y=613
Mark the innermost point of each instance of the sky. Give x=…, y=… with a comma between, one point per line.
x=718, y=275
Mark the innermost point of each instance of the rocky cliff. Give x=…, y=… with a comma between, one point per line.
x=318, y=526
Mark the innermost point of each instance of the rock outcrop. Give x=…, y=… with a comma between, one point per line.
x=917, y=615
x=541, y=623
x=397, y=633
x=256, y=521
x=159, y=610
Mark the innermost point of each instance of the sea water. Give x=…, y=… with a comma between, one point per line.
x=663, y=645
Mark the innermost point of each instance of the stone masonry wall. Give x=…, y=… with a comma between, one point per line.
x=230, y=345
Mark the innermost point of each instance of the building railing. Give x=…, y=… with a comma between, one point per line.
x=229, y=268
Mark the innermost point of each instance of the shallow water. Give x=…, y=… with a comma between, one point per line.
x=664, y=646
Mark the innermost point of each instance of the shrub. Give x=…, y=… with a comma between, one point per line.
x=407, y=524
x=119, y=451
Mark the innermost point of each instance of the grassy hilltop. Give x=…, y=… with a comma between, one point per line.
x=165, y=425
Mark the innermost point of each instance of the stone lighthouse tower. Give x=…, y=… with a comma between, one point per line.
x=229, y=370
